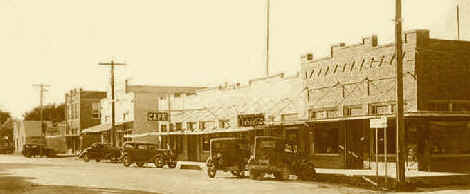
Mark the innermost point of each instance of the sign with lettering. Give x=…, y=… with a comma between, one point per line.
x=250, y=120
x=157, y=116
x=378, y=123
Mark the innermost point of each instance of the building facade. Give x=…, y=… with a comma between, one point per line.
x=357, y=83
x=82, y=110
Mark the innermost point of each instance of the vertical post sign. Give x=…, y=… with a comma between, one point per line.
x=380, y=123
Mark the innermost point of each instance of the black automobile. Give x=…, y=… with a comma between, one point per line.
x=143, y=152
x=100, y=151
x=35, y=150
x=6, y=147
x=228, y=154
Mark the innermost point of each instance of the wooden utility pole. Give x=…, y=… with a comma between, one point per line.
x=113, y=119
x=42, y=89
x=267, y=36
x=400, y=125
x=458, y=22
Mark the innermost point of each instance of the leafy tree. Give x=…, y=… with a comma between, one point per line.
x=4, y=116
x=54, y=113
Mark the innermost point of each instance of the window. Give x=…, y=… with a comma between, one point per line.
x=326, y=140
x=202, y=125
x=352, y=111
x=163, y=128
x=191, y=125
x=179, y=126
x=205, y=143
x=125, y=116
x=172, y=127
x=95, y=110
x=224, y=124
x=461, y=106
x=381, y=109
x=331, y=113
x=177, y=95
x=323, y=114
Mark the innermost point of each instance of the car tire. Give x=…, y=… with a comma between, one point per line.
x=140, y=164
x=125, y=161
x=158, y=162
x=254, y=174
x=85, y=158
x=172, y=164
x=211, y=171
x=308, y=173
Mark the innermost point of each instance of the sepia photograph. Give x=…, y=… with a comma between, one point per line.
x=234, y=96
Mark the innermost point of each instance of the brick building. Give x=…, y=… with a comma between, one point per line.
x=133, y=103
x=357, y=82
x=82, y=110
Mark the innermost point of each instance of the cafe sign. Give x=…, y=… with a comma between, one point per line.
x=250, y=120
x=157, y=116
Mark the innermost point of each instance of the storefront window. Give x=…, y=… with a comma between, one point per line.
x=326, y=140
x=179, y=144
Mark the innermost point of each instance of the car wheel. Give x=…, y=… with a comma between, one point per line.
x=85, y=158
x=140, y=164
x=158, y=162
x=308, y=173
x=125, y=161
x=211, y=171
x=237, y=173
x=254, y=174
x=172, y=164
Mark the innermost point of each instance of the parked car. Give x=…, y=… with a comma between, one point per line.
x=143, y=152
x=228, y=154
x=6, y=147
x=100, y=151
x=32, y=149
x=273, y=155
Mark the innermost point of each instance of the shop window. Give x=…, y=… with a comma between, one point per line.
x=172, y=127
x=326, y=140
x=224, y=124
x=205, y=143
x=95, y=110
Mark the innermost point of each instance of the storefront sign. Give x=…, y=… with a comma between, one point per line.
x=157, y=116
x=378, y=123
x=250, y=120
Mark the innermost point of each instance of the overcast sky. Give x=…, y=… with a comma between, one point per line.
x=185, y=42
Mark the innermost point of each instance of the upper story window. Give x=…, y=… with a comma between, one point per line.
x=324, y=113
x=191, y=125
x=179, y=126
x=95, y=110
x=382, y=109
x=353, y=111
x=163, y=128
x=202, y=125
x=449, y=106
x=439, y=106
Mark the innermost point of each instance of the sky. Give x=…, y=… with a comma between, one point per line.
x=186, y=42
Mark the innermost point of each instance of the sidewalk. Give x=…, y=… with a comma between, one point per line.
x=366, y=177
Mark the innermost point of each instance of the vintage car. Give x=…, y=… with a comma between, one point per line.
x=6, y=147
x=274, y=155
x=100, y=151
x=32, y=149
x=228, y=154
x=143, y=152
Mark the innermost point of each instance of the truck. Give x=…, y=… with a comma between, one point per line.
x=37, y=146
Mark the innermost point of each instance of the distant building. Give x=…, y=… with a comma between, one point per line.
x=133, y=104
x=25, y=129
x=82, y=110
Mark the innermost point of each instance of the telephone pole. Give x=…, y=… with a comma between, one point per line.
x=267, y=36
x=113, y=119
x=400, y=141
x=42, y=89
x=458, y=22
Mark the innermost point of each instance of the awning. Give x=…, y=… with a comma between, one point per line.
x=196, y=132
x=97, y=128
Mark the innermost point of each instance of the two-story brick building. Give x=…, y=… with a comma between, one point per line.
x=357, y=82
x=82, y=110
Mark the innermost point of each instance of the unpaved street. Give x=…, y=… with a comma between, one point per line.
x=68, y=175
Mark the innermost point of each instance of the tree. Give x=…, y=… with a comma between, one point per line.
x=54, y=113
x=4, y=116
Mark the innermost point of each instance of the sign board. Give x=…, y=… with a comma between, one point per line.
x=250, y=120
x=157, y=116
x=378, y=123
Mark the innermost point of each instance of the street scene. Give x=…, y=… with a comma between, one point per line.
x=202, y=97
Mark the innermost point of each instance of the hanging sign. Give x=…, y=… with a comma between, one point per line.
x=378, y=123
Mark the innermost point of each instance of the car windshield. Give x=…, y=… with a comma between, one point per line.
x=269, y=144
x=128, y=146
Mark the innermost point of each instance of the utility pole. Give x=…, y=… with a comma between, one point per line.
x=458, y=22
x=267, y=36
x=42, y=89
x=400, y=125
x=113, y=119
